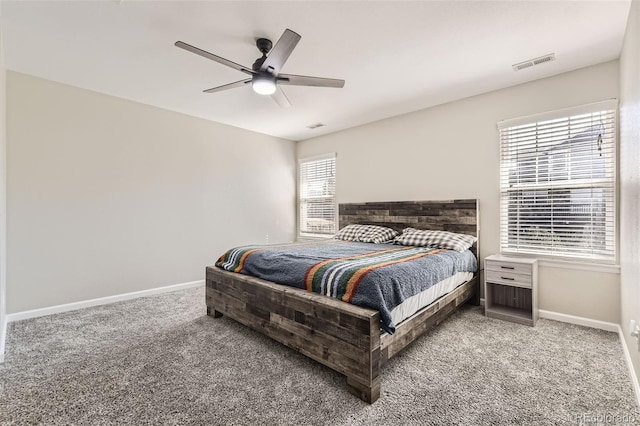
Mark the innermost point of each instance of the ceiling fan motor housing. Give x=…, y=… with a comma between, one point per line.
x=264, y=45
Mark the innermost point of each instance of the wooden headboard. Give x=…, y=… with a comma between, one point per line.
x=460, y=216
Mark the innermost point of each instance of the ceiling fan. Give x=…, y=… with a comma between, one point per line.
x=265, y=72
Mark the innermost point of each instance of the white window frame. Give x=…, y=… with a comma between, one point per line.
x=549, y=252
x=311, y=235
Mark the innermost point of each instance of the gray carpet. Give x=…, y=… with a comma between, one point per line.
x=161, y=360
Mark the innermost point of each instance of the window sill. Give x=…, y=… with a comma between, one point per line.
x=302, y=238
x=568, y=263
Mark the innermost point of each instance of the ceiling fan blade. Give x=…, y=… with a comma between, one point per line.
x=280, y=98
x=305, y=80
x=228, y=86
x=280, y=53
x=213, y=57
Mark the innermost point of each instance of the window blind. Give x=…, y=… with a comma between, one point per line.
x=558, y=183
x=317, y=196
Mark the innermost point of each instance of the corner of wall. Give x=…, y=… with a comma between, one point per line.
x=3, y=209
x=630, y=185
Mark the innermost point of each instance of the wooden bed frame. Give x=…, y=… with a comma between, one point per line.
x=345, y=337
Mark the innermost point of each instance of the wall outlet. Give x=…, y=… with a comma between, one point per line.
x=634, y=328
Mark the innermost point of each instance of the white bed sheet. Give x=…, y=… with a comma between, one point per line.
x=416, y=302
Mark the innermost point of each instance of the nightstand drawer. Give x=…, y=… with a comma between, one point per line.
x=508, y=278
x=509, y=267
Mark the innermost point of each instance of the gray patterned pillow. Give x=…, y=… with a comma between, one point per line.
x=366, y=234
x=439, y=239
x=350, y=233
x=377, y=234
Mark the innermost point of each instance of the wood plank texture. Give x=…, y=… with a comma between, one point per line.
x=516, y=297
x=460, y=216
x=345, y=337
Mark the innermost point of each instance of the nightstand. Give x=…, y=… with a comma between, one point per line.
x=511, y=288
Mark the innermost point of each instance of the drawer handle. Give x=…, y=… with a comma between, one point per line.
x=507, y=278
x=507, y=267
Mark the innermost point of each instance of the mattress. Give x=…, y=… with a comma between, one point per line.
x=421, y=300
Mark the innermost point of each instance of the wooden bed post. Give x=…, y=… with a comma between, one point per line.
x=368, y=393
x=213, y=313
x=369, y=390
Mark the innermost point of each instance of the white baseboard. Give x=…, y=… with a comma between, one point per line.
x=3, y=336
x=34, y=313
x=587, y=322
x=632, y=371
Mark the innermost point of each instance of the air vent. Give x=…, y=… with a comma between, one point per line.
x=535, y=61
x=315, y=126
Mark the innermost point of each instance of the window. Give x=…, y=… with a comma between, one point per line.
x=557, y=183
x=317, y=196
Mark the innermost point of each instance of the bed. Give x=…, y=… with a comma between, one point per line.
x=342, y=336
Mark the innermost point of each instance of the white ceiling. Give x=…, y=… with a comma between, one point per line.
x=396, y=57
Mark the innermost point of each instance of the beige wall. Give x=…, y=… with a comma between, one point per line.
x=630, y=179
x=451, y=151
x=589, y=294
x=3, y=210
x=107, y=196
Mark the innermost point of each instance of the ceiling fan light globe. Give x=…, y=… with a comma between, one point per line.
x=264, y=86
